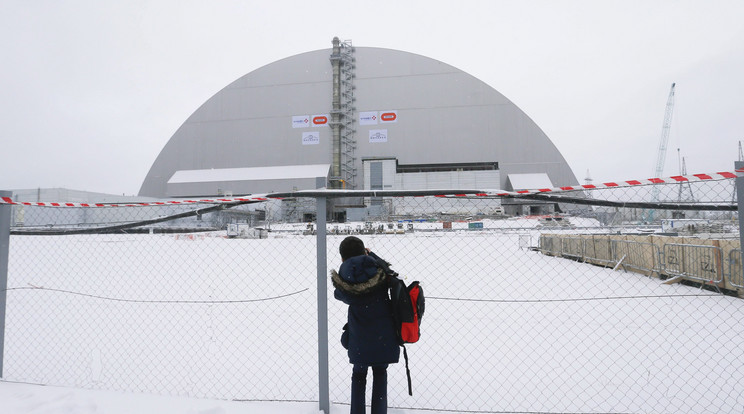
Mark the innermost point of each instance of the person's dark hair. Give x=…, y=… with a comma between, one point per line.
x=350, y=247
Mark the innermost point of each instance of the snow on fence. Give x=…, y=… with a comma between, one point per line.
x=160, y=300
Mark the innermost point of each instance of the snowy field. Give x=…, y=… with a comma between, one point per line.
x=234, y=321
x=38, y=399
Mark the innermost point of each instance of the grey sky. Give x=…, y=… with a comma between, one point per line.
x=92, y=90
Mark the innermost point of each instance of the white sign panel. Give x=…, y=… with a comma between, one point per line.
x=320, y=120
x=377, y=135
x=311, y=138
x=387, y=117
x=368, y=118
x=300, y=121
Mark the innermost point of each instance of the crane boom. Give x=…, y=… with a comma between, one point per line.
x=661, y=154
x=648, y=215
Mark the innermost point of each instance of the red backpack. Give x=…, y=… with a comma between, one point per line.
x=408, y=309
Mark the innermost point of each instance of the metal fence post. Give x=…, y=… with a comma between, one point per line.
x=322, y=263
x=4, y=247
x=740, y=202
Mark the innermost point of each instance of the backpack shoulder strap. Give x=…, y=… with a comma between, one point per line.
x=408, y=371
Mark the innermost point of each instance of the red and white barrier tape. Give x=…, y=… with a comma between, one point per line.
x=8, y=200
x=677, y=179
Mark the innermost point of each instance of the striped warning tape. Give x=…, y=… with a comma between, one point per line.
x=8, y=200
x=676, y=179
x=726, y=175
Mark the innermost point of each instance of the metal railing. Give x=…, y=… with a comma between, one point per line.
x=641, y=257
x=735, y=272
x=696, y=262
x=702, y=263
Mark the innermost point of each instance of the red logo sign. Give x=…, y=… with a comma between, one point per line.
x=320, y=120
x=388, y=116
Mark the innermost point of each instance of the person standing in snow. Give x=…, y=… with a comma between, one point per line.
x=362, y=283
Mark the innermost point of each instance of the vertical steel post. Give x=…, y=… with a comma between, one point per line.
x=4, y=248
x=322, y=266
x=740, y=203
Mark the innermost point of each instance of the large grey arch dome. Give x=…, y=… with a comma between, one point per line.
x=444, y=116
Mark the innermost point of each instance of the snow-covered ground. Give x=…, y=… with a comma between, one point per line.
x=506, y=329
x=18, y=398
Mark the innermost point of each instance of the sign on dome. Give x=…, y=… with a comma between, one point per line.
x=300, y=121
x=311, y=138
x=368, y=118
x=388, y=116
x=320, y=120
x=378, y=135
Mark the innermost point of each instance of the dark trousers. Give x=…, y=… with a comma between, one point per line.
x=379, y=388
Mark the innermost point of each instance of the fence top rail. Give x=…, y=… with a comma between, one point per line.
x=635, y=242
x=254, y=198
x=691, y=245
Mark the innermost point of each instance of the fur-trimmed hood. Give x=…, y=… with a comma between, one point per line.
x=358, y=276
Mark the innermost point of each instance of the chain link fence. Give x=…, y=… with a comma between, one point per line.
x=153, y=309
x=601, y=301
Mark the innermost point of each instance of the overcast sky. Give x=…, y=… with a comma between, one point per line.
x=93, y=90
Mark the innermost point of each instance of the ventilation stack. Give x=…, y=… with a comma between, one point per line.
x=343, y=170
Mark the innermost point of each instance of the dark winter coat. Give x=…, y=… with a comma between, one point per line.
x=363, y=285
